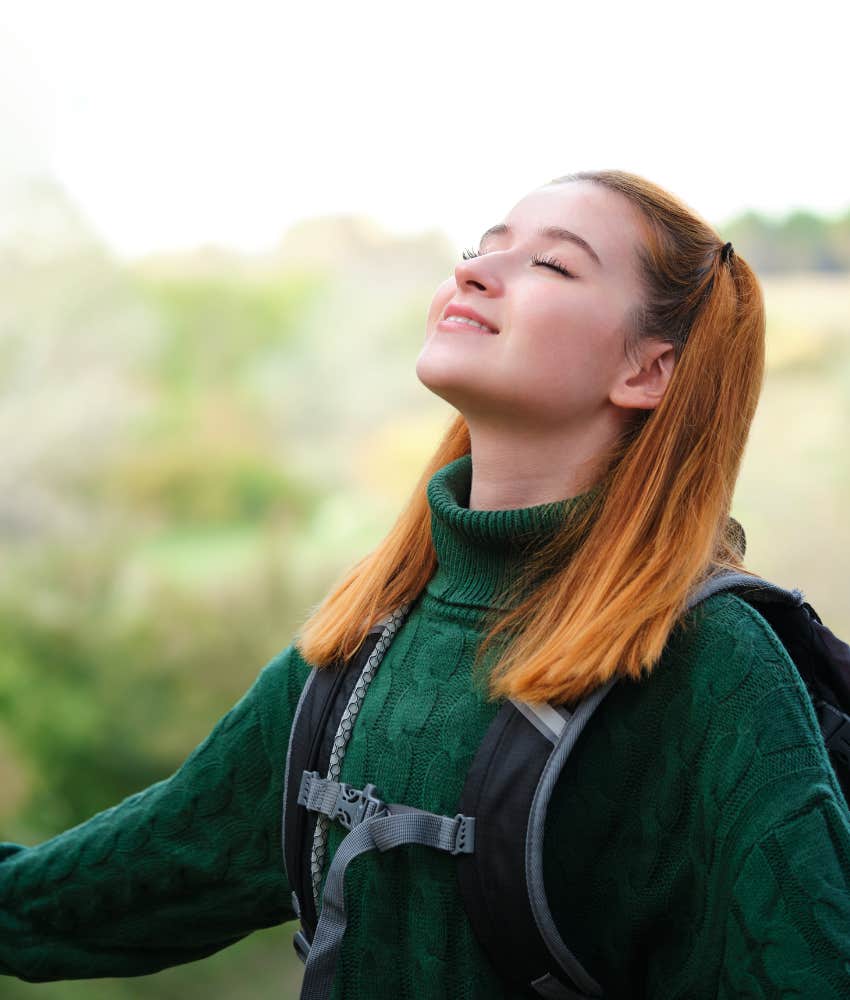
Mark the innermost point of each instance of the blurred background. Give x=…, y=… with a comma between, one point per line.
x=221, y=226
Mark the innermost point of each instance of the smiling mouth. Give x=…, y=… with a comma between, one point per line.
x=461, y=323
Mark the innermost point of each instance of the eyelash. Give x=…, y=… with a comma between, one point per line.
x=535, y=259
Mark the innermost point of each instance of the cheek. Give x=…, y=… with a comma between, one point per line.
x=557, y=347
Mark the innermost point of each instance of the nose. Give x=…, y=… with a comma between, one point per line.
x=480, y=273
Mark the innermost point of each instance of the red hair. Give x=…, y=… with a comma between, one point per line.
x=658, y=525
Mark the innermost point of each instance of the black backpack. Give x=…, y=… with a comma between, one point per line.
x=497, y=834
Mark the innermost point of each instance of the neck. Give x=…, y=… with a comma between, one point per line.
x=517, y=467
x=480, y=553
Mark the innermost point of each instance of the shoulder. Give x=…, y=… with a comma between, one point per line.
x=725, y=616
x=723, y=692
x=727, y=659
x=726, y=650
x=742, y=709
x=284, y=674
x=274, y=695
x=723, y=670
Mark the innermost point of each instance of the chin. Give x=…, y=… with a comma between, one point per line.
x=429, y=371
x=441, y=378
x=456, y=388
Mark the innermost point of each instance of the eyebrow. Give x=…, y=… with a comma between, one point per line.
x=548, y=232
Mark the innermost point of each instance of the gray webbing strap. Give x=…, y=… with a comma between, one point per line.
x=388, y=627
x=727, y=579
x=534, y=845
x=565, y=736
x=303, y=697
x=398, y=825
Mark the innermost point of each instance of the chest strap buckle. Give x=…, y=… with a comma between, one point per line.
x=339, y=801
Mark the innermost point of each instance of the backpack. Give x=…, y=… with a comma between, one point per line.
x=497, y=833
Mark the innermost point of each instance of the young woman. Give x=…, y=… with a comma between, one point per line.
x=698, y=844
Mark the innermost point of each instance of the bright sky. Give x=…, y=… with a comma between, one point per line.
x=176, y=123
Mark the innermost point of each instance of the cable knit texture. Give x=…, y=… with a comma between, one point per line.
x=697, y=844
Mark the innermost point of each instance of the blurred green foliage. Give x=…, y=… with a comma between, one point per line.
x=173, y=506
x=798, y=241
x=197, y=449
x=221, y=326
x=191, y=479
x=102, y=691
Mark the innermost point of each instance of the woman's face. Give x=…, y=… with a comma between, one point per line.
x=560, y=341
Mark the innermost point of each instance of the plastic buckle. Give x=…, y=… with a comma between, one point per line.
x=464, y=835
x=301, y=946
x=353, y=805
x=304, y=787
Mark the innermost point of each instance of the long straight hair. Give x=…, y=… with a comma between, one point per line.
x=601, y=596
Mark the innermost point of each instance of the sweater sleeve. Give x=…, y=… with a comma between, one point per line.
x=173, y=873
x=712, y=860
x=787, y=927
x=775, y=916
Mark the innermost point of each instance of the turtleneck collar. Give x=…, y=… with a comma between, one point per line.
x=480, y=552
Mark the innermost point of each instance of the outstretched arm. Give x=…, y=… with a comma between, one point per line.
x=173, y=873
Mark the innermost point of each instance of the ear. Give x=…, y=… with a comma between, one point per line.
x=644, y=389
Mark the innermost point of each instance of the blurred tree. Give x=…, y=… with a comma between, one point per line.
x=801, y=241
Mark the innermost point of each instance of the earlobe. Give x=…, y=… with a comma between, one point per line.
x=644, y=389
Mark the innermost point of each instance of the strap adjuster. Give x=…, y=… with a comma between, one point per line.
x=300, y=940
x=464, y=835
x=301, y=946
x=353, y=805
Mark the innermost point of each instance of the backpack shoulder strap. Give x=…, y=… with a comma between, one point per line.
x=754, y=589
x=324, y=697
x=507, y=789
x=821, y=658
x=517, y=766
x=327, y=709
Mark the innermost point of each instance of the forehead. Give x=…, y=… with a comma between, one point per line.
x=605, y=218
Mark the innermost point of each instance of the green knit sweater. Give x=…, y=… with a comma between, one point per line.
x=697, y=845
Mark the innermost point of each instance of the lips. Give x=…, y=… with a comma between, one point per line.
x=455, y=309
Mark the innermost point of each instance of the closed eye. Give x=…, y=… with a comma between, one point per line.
x=536, y=259
x=551, y=262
